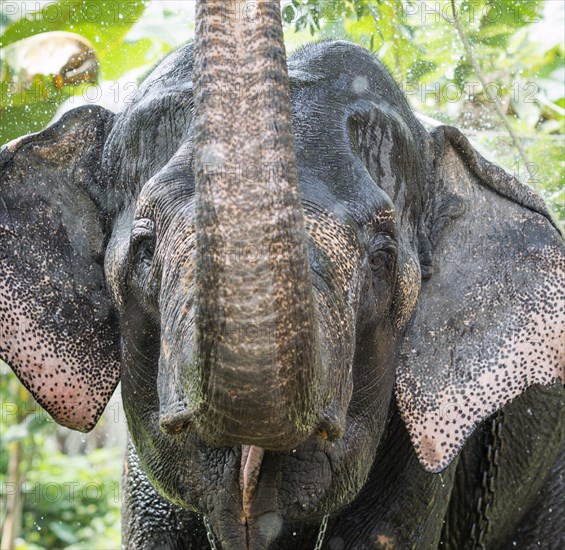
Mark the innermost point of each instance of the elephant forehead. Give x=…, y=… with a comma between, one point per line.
x=147, y=136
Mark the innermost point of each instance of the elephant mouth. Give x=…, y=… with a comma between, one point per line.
x=251, y=496
x=259, y=520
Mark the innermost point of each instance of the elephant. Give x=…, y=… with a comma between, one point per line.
x=333, y=328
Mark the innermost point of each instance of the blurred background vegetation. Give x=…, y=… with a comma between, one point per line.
x=493, y=68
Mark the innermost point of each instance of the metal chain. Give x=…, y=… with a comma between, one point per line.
x=322, y=532
x=319, y=540
x=209, y=533
x=490, y=472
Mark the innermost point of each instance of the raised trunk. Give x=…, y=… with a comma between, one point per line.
x=256, y=347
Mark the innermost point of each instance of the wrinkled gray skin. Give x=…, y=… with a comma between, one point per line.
x=400, y=504
x=392, y=213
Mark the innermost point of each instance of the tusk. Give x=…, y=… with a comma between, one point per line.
x=251, y=459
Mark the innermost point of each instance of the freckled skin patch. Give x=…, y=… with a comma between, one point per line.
x=336, y=240
x=72, y=377
x=475, y=345
x=409, y=290
x=526, y=348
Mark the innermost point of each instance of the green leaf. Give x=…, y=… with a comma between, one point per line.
x=418, y=69
x=132, y=55
x=496, y=41
x=462, y=73
x=37, y=69
x=513, y=13
x=107, y=17
x=289, y=13
x=63, y=532
x=24, y=119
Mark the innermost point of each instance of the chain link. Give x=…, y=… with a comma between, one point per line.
x=212, y=539
x=322, y=532
x=209, y=533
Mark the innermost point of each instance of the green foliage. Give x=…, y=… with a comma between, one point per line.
x=28, y=104
x=72, y=500
x=416, y=40
x=103, y=23
x=67, y=501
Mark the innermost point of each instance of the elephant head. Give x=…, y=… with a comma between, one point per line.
x=266, y=258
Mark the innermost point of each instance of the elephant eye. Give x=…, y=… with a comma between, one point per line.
x=380, y=260
x=142, y=241
x=382, y=255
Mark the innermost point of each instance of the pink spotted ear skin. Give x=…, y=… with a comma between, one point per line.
x=490, y=322
x=70, y=376
x=58, y=330
x=523, y=354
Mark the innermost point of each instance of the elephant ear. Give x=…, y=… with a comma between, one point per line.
x=58, y=329
x=490, y=320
